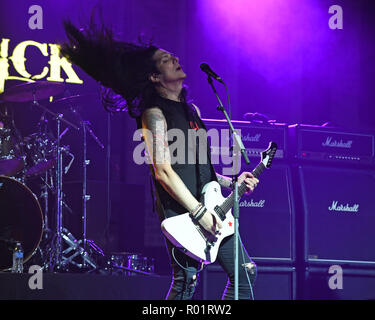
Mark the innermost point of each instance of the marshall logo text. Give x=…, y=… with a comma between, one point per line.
x=335, y=206
x=337, y=144
x=252, y=203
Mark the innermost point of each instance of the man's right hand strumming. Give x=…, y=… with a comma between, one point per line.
x=206, y=219
x=210, y=223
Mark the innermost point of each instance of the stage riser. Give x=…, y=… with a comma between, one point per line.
x=84, y=287
x=267, y=217
x=272, y=284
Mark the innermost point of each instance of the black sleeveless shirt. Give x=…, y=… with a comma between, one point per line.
x=193, y=164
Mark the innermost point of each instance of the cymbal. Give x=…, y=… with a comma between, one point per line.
x=26, y=92
x=79, y=98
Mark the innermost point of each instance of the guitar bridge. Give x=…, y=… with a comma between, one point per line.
x=208, y=242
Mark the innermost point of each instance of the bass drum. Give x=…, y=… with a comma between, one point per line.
x=21, y=219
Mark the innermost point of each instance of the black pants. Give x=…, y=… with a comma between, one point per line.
x=185, y=279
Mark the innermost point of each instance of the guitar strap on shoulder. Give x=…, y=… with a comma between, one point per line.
x=204, y=173
x=198, y=173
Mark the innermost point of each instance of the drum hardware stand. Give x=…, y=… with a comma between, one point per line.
x=62, y=233
x=59, y=226
x=59, y=263
x=74, y=246
x=43, y=128
x=47, y=232
x=86, y=162
x=86, y=127
x=44, y=196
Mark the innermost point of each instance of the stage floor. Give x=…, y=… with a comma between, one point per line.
x=69, y=286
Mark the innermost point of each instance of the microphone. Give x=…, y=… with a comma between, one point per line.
x=206, y=69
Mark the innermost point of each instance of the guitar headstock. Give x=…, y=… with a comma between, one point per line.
x=268, y=155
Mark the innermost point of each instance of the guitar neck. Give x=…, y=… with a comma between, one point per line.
x=229, y=201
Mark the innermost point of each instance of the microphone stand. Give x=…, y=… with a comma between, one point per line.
x=238, y=146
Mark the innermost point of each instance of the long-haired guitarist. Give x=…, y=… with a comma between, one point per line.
x=149, y=81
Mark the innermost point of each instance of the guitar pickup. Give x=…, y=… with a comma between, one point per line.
x=220, y=213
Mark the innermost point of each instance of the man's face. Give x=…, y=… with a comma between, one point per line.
x=167, y=64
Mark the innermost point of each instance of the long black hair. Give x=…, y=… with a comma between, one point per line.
x=123, y=69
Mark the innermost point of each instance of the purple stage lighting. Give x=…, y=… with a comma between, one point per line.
x=274, y=36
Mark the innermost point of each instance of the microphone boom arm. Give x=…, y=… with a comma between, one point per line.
x=236, y=137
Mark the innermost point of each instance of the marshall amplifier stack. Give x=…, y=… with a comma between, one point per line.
x=334, y=184
x=267, y=215
x=315, y=206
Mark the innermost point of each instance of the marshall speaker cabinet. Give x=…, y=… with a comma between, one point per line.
x=337, y=282
x=272, y=283
x=266, y=220
x=339, y=215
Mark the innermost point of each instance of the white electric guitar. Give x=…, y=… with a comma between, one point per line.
x=191, y=237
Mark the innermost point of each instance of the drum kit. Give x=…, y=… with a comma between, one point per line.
x=40, y=155
x=24, y=216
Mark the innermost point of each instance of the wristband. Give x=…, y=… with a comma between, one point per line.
x=200, y=214
x=197, y=208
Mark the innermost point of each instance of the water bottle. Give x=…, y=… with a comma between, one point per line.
x=17, y=259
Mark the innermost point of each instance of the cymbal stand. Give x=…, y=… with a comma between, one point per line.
x=74, y=245
x=46, y=245
x=59, y=259
x=86, y=162
x=44, y=196
x=59, y=176
x=43, y=129
x=85, y=196
x=75, y=250
x=86, y=127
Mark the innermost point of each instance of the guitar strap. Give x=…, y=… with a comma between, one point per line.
x=204, y=173
x=198, y=171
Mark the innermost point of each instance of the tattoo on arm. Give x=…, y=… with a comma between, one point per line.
x=224, y=181
x=153, y=120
